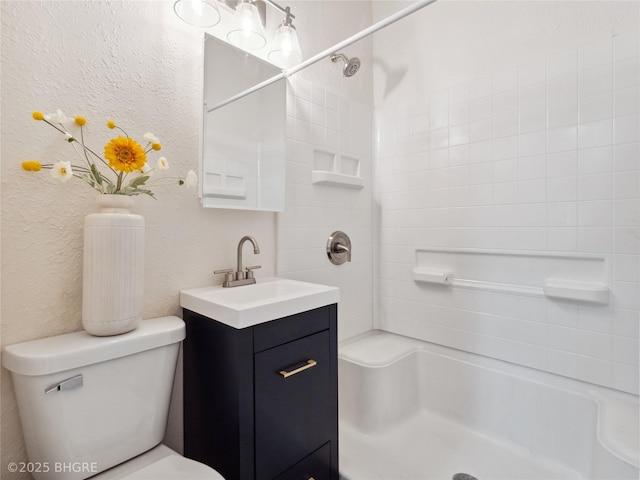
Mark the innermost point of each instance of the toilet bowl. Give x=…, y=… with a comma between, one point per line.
x=98, y=406
x=160, y=463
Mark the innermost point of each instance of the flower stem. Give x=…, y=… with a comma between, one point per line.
x=48, y=122
x=84, y=148
x=119, y=184
x=96, y=155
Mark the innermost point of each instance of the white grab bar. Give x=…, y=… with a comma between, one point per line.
x=566, y=289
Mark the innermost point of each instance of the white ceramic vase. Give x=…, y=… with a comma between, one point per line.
x=113, y=267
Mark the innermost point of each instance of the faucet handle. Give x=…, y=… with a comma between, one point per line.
x=251, y=269
x=226, y=270
x=228, y=274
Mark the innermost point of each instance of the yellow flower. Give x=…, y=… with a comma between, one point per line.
x=81, y=121
x=38, y=115
x=111, y=124
x=125, y=154
x=31, y=165
x=156, y=146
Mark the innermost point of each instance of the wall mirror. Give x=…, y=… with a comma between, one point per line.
x=243, y=142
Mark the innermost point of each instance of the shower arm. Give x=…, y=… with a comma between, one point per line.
x=336, y=56
x=399, y=15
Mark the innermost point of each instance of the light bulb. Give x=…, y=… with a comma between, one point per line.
x=246, y=28
x=286, y=48
x=199, y=13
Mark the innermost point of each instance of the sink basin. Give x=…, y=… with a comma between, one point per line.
x=266, y=300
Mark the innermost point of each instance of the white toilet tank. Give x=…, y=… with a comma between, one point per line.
x=88, y=403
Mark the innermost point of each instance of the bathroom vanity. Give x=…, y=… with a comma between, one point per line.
x=261, y=402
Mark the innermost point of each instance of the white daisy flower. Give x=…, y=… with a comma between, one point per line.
x=146, y=168
x=150, y=137
x=62, y=171
x=162, y=164
x=192, y=179
x=58, y=117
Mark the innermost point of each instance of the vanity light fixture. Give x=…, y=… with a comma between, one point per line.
x=285, y=50
x=199, y=13
x=247, y=30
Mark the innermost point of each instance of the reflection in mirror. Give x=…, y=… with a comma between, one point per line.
x=243, y=155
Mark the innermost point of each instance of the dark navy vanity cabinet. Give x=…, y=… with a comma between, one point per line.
x=261, y=403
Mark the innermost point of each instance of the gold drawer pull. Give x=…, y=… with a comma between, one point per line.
x=310, y=363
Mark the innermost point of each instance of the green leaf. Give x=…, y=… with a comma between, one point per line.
x=141, y=191
x=130, y=190
x=95, y=173
x=139, y=180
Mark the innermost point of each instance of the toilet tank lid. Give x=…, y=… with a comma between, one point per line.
x=78, y=349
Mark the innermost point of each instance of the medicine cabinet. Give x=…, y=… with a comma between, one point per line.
x=243, y=142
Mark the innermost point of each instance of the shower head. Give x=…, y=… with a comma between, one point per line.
x=351, y=65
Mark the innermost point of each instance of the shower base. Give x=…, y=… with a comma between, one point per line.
x=428, y=446
x=414, y=410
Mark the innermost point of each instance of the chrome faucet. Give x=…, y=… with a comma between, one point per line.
x=241, y=276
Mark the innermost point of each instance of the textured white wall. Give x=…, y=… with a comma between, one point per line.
x=133, y=62
x=514, y=126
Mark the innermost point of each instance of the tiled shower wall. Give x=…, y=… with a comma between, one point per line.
x=542, y=157
x=320, y=120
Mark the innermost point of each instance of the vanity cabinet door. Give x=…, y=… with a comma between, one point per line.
x=294, y=403
x=316, y=466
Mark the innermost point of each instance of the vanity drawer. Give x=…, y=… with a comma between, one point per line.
x=316, y=466
x=294, y=399
x=271, y=334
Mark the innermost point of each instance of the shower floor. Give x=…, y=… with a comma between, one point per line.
x=426, y=446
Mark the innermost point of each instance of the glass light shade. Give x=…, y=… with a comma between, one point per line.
x=199, y=13
x=246, y=28
x=286, y=48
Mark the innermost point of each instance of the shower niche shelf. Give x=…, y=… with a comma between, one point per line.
x=336, y=170
x=581, y=278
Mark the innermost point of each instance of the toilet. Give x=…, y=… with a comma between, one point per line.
x=98, y=406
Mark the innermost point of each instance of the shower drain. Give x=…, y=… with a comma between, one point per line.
x=463, y=476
